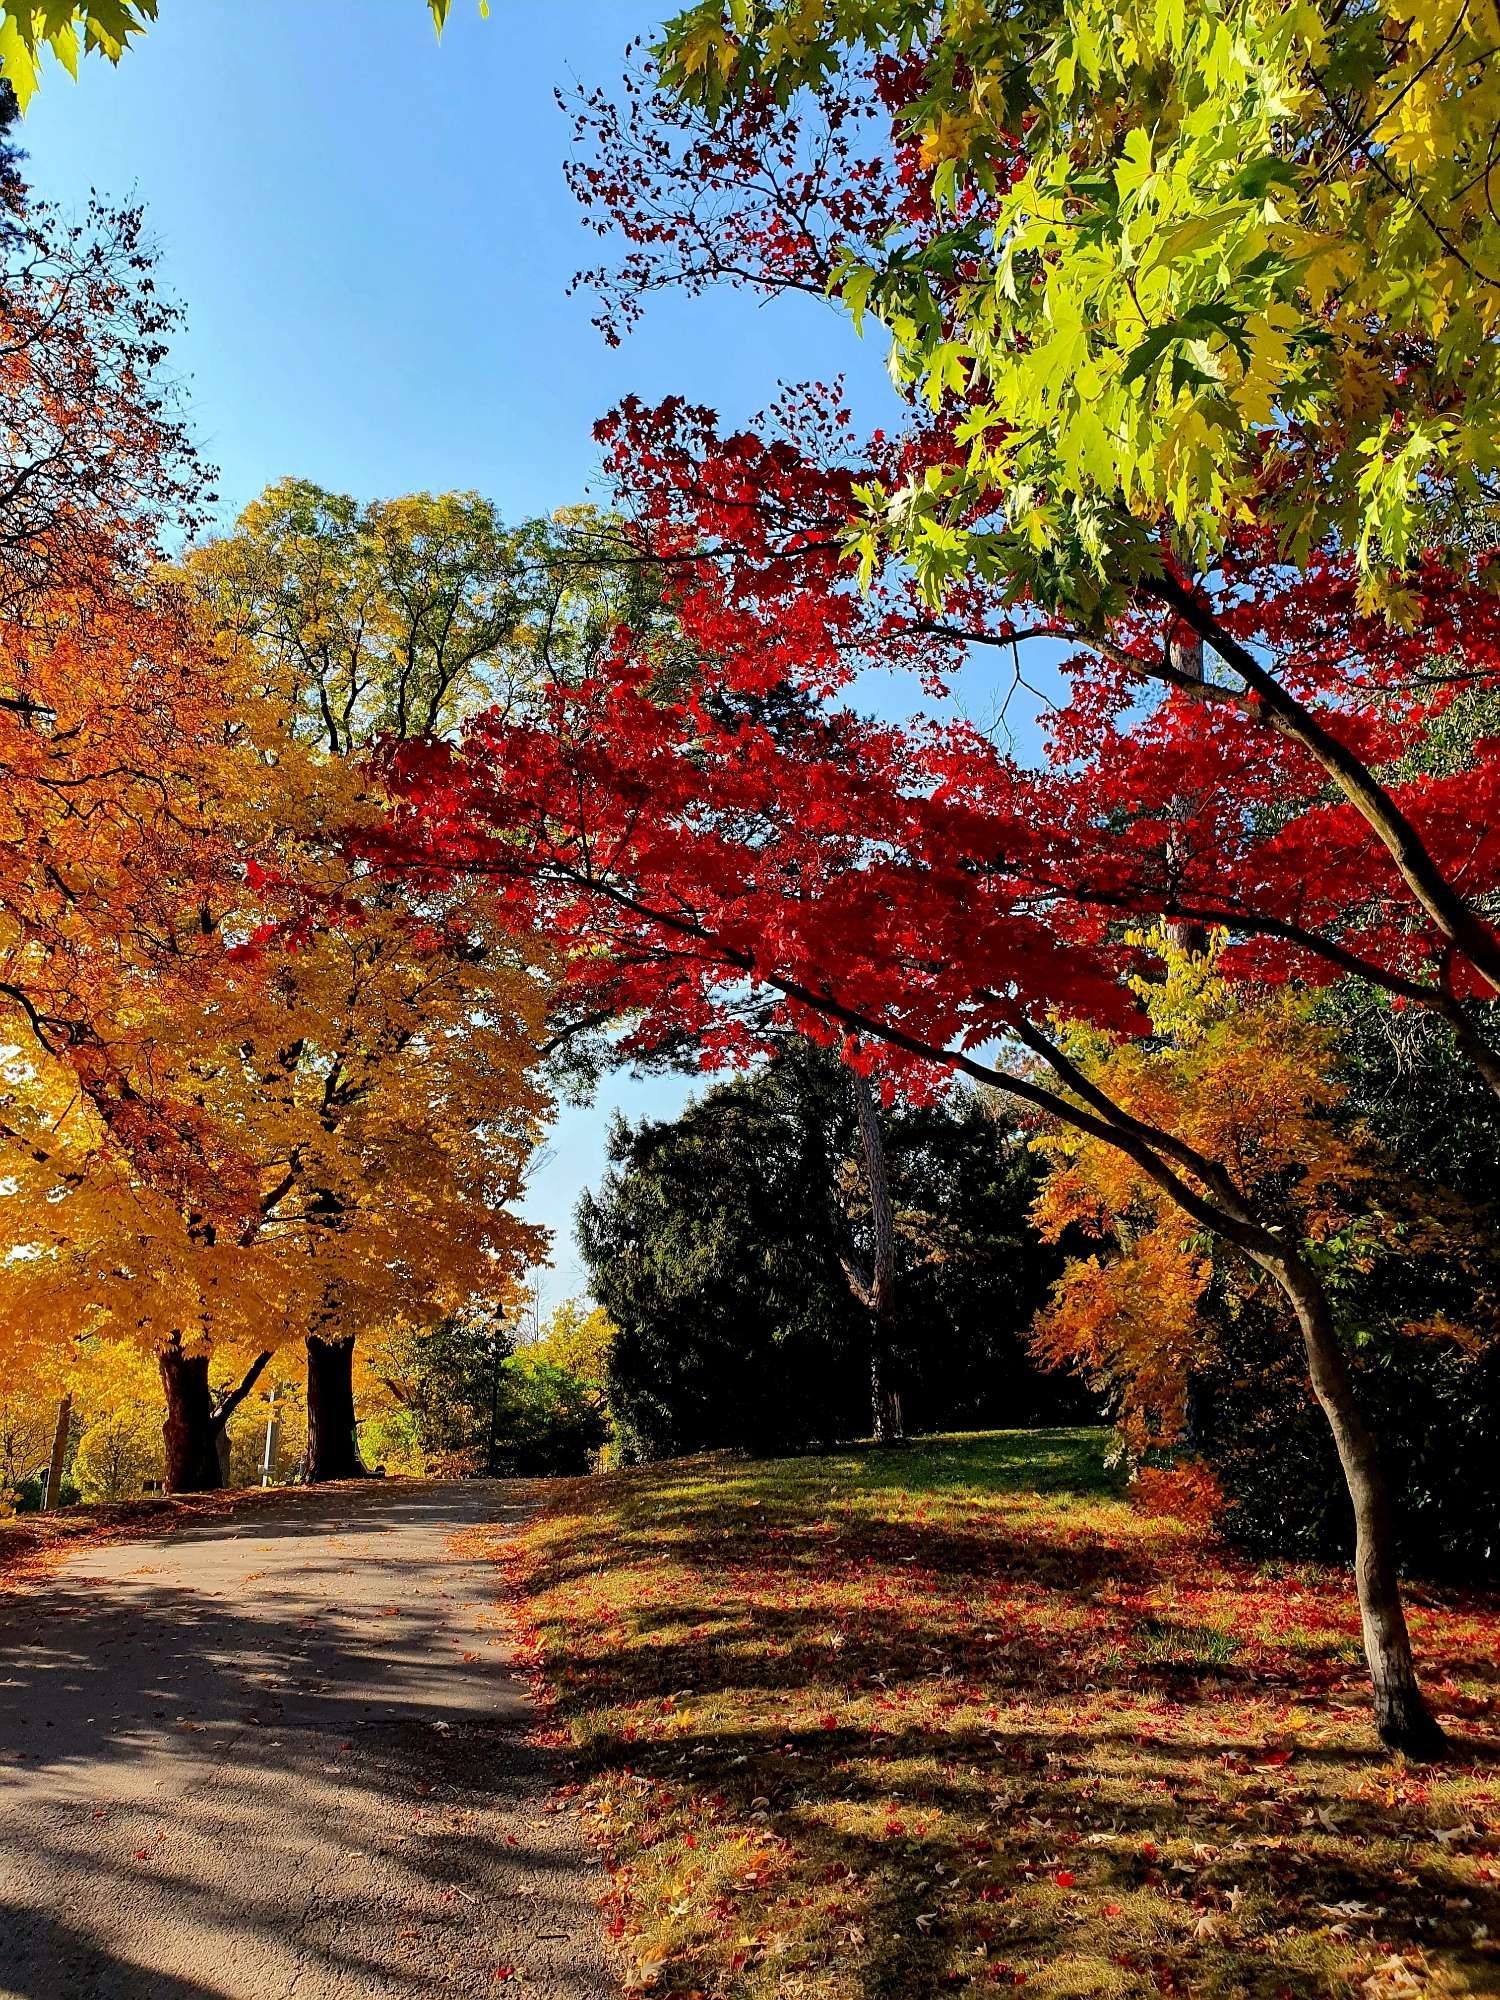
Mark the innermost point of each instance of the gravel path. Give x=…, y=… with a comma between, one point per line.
x=282, y=1756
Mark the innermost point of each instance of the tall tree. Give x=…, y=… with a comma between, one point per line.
x=690, y=855
x=351, y=622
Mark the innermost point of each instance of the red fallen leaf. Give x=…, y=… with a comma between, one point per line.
x=1064, y=1878
x=1111, y=1909
x=143, y=1854
x=469, y=1657
x=828, y=1722
x=503, y=1972
x=1274, y=1757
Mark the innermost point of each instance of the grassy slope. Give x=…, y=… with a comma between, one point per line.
x=961, y=1717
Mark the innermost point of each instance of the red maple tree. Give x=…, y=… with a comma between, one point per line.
x=741, y=849
x=729, y=850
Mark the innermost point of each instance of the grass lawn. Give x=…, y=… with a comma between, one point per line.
x=894, y=1724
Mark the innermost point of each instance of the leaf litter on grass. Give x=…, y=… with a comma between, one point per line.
x=959, y=1717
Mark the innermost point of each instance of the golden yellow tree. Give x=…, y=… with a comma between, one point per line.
x=290, y=1129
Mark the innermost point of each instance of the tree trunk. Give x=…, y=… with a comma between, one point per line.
x=1402, y=1716
x=885, y=1406
x=52, y=1492
x=189, y=1432
x=332, y=1445
x=886, y=1422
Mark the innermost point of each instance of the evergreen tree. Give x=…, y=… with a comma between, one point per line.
x=718, y=1243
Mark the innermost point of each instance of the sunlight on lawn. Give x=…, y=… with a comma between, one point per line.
x=961, y=1716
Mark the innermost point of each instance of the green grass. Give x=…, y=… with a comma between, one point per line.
x=1200, y=1648
x=888, y=1724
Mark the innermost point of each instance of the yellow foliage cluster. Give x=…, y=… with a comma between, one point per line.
x=1189, y=237
x=577, y=1338
x=225, y=1122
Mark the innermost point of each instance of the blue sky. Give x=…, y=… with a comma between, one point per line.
x=373, y=241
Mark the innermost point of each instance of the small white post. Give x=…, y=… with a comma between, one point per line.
x=269, y=1460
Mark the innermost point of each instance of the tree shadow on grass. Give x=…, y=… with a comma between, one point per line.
x=977, y=1795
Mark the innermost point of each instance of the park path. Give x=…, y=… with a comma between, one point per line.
x=282, y=1756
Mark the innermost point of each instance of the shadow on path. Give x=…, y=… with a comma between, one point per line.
x=284, y=1755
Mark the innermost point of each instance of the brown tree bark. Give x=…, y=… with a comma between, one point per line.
x=332, y=1440
x=52, y=1494
x=1402, y=1716
x=194, y=1430
x=189, y=1432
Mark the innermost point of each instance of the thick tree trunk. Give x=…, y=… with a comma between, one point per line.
x=1402, y=1716
x=52, y=1494
x=332, y=1444
x=196, y=1434
x=189, y=1432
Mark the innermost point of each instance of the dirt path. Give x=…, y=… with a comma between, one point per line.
x=283, y=1757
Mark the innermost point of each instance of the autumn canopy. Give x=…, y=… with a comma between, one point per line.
x=1110, y=731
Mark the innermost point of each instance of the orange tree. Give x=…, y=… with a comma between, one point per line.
x=347, y=622
x=190, y=1105
x=281, y=1130
x=1250, y=1078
